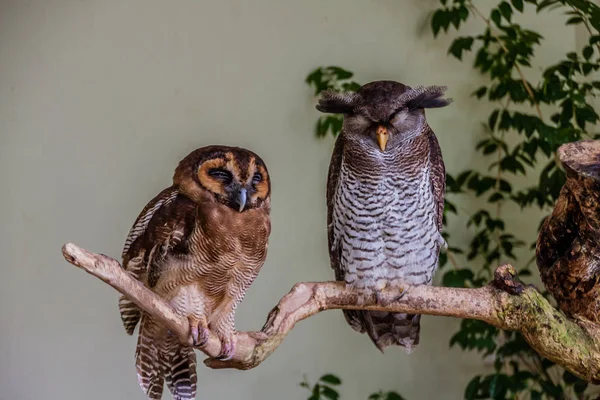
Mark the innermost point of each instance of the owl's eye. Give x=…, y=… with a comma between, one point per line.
x=399, y=117
x=356, y=123
x=257, y=178
x=221, y=175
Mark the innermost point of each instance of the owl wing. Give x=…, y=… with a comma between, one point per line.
x=354, y=318
x=332, y=184
x=161, y=228
x=437, y=176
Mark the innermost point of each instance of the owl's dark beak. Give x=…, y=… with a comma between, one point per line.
x=242, y=197
x=382, y=137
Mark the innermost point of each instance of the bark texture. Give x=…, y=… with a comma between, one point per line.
x=568, y=247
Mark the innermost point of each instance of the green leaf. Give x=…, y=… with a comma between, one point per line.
x=518, y=4
x=472, y=388
x=438, y=21
x=457, y=278
x=551, y=389
x=463, y=12
x=505, y=186
x=393, y=396
x=459, y=45
x=496, y=17
x=569, y=378
x=580, y=386
x=316, y=392
x=497, y=385
x=479, y=93
x=462, y=178
x=329, y=393
x=587, y=52
x=340, y=73
x=506, y=10
x=331, y=379
x=495, y=197
x=505, y=121
x=493, y=118
x=574, y=21
x=544, y=4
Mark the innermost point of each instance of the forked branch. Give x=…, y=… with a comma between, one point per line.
x=505, y=303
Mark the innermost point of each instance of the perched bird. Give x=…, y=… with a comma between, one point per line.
x=199, y=245
x=385, y=199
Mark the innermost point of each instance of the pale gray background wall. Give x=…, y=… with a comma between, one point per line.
x=98, y=102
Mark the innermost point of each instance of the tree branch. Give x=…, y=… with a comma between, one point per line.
x=506, y=303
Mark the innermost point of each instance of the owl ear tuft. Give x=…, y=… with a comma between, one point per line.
x=336, y=103
x=426, y=97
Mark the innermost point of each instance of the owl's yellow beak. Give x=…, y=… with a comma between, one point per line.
x=382, y=137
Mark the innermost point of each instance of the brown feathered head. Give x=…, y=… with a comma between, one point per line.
x=232, y=176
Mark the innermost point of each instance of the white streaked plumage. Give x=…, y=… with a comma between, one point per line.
x=385, y=198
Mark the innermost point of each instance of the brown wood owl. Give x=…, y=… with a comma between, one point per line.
x=199, y=245
x=385, y=199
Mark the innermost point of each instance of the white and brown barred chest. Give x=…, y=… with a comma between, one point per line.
x=384, y=219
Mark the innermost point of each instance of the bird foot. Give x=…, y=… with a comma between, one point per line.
x=199, y=331
x=227, y=349
x=384, y=295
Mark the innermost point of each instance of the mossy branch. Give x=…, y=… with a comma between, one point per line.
x=504, y=303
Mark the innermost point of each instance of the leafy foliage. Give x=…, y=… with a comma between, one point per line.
x=330, y=78
x=326, y=389
x=516, y=138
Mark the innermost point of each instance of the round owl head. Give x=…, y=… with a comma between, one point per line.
x=384, y=112
x=233, y=176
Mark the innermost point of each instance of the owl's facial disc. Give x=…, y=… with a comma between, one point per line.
x=240, y=185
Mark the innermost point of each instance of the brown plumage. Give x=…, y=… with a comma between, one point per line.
x=198, y=244
x=385, y=199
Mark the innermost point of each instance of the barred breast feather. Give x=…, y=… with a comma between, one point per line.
x=384, y=225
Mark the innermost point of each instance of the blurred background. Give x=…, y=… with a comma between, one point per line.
x=99, y=100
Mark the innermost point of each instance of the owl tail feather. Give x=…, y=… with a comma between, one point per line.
x=160, y=358
x=392, y=329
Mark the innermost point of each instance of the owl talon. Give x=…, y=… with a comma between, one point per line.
x=385, y=301
x=199, y=332
x=227, y=350
x=203, y=335
x=194, y=332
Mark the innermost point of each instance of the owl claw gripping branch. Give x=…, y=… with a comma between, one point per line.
x=199, y=245
x=385, y=199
